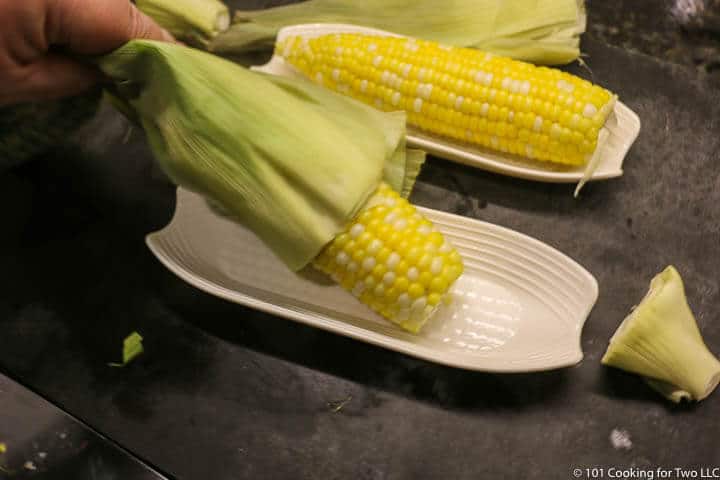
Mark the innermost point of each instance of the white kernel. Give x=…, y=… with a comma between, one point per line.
x=458, y=102
x=363, y=85
x=379, y=289
x=413, y=274
x=319, y=77
x=525, y=88
x=406, y=69
x=393, y=261
x=488, y=79
x=390, y=202
x=389, y=278
x=391, y=217
x=374, y=246
x=342, y=258
x=426, y=91
x=372, y=47
x=424, y=230
x=377, y=60
x=421, y=74
x=352, y=267
x=429, y=247
x=400, y=224
x=419, y=304
x=506, y=83
x=403, y=315
x=516, y=86
x=359, y=288
x=479, y=76
x=494, y=141
x=417, y=105
x=529, y=150
x=336, y=74
x=385, y=77
x=339, y=51
x=489, y=56
x=436, y=266
x=378, y=103
x=537, y=124
x=356, y=230
x=404, y=300
x=484, y=109
x=395, y=99
x=445, y=248
x=369, y=263
x=590, y=110
x=412, y=46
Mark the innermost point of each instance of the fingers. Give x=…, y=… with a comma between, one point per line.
x=99, y=26
x=53, y=76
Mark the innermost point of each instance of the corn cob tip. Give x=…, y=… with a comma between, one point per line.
x=393, y=260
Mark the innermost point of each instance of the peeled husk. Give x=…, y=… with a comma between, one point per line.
x=290, y=160
x=538, y=31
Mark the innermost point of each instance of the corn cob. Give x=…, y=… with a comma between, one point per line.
x=463, y=94
x=393, y=260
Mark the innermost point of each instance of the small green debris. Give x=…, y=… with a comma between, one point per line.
x=132, y=347
x=336, y=406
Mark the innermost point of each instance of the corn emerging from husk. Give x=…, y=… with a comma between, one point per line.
x=393, y=260
x=539, y=31
x=302, y=167
x=462, y=94
x=196, y=21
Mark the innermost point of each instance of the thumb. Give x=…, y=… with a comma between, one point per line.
x=98, y=26
x=50, y=77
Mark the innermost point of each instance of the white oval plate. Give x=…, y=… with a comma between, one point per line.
x=623, y=126
x=520, y=305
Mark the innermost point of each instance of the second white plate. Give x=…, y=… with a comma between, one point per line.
x=520, y=305
x=623, y=126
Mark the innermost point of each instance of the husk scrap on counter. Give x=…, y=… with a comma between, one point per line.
x=291, y=161
x=661, y=341
x=538, y=31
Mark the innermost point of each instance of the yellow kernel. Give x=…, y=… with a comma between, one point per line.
x=439, y=285
x=436, y=238
x=402, y=284
x=434, y=299
x=416, y=290
x=379, y=271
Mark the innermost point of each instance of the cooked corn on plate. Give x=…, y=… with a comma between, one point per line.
x=462, y=94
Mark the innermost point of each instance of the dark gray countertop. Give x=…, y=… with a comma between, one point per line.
x=225, y=392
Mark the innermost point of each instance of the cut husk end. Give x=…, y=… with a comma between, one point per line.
x=660, y=340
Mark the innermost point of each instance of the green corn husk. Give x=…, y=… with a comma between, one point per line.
x=537, y=31
x=195, y=21
x=292, y=161
x=660, y=340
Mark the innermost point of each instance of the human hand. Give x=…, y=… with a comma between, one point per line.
x=40, y=39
